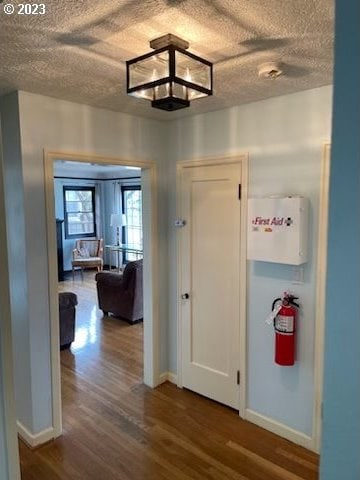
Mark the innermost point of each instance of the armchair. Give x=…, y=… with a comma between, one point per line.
x=88, y=254
x=122, y=294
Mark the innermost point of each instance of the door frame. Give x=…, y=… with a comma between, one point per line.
x=150, y=270
x=181, y=166
x=321, y=294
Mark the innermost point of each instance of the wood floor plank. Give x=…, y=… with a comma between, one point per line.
x=296, y=458
x=273, y=470
x=116, y=428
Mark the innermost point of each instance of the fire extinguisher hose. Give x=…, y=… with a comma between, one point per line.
x=275, y=302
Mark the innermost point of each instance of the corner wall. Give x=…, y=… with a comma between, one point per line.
x=16, y=238
x=284, y=137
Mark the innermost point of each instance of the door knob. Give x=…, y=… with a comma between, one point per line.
x=185, y=296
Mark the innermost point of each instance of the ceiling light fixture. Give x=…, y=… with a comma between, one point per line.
x=170, y=77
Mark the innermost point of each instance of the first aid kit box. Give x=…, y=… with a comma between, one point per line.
x=278, y=229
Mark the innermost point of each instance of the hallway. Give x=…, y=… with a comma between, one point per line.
x=117, y=428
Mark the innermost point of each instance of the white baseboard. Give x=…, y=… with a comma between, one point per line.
x=167, y=377
x=35, y=440
x=280, y=429
x=172, y=378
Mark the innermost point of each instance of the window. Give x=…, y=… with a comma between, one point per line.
x=131, y=206
x=79, y=212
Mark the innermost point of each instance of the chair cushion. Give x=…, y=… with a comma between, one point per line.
x=83, y=252
x=92, y=247
x=86, y=261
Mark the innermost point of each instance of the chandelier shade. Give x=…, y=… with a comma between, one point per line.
x=169, y=77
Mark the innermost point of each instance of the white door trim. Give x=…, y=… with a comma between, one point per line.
x=6, y=360
x=242, y=159
x=151, y=274
x=321, y=294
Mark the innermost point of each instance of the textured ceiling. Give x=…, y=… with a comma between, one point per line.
x=77, y=50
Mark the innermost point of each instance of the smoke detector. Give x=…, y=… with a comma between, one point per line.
x=269, y=70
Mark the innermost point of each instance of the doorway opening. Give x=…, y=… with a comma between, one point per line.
x=99, y=182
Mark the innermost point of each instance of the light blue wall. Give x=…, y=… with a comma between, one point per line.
x=9, y=455
x=284, y=137
x=4, y=473
x=69, y=244
x=340, y=456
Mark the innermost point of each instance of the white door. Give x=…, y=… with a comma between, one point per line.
x=210, y=276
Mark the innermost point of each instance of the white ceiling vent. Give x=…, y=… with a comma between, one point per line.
x=269, y=70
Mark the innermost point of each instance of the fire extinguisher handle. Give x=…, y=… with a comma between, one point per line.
x=274, y=303
x=291, y=301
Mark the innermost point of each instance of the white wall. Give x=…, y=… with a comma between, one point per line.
x=60, y=125
x=284, y=138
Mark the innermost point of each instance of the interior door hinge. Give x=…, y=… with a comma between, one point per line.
x=238, y=377
x=239, y=191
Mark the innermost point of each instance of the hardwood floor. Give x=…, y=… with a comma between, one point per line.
x=115, y=428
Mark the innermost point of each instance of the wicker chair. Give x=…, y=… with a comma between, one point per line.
x=88, y=254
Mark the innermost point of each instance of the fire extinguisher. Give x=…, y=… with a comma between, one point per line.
x=285, y=329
